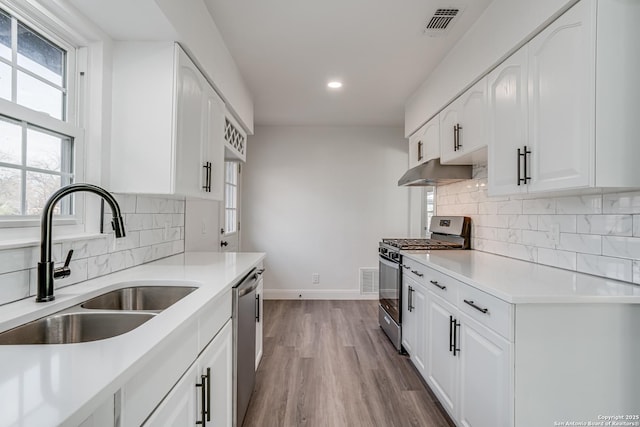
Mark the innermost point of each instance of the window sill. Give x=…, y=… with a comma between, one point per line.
x=32, y=242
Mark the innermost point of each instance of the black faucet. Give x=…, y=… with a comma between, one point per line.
x=46, y=272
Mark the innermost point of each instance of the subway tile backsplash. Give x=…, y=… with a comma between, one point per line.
x=594, y=232
x=154, y=227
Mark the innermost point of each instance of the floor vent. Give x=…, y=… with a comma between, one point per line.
x=369, y=281
x=441, y=21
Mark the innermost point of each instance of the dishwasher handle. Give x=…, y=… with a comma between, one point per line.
x=258, y=274
x=248, y=284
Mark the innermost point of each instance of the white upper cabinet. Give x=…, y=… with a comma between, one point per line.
x=167, y=124
x=574, y=126
x=424, y=145
x=561, y=101
x=463, y=127
x=507, y=89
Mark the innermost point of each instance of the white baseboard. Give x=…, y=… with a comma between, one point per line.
x=323, y=294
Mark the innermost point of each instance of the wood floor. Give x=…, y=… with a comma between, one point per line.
x=328, y=364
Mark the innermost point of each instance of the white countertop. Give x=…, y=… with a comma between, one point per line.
x=51, y=385
x=521, y=282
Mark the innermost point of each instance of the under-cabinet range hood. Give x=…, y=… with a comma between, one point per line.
x=434, y=173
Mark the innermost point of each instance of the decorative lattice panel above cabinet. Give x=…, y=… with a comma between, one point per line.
x=235, y=140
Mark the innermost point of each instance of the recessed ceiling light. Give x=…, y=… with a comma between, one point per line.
x=334, y=84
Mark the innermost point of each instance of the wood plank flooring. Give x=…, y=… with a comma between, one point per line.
x=328, y=364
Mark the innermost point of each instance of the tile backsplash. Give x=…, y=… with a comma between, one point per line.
x=154, y=229
x=590, y=231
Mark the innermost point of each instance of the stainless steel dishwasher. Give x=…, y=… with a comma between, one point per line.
x=244, y=343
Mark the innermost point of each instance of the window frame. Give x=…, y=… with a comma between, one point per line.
x=70, y=125
x=236, y=200
x=425, y=213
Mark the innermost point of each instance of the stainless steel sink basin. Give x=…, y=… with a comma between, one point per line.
x=152, y=298
x=66, y=328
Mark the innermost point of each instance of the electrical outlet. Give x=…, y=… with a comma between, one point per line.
x=315, y=278
x=204, y=227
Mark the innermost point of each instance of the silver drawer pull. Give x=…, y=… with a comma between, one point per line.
x=417, y=273
x=472, y=304
x=435, y=282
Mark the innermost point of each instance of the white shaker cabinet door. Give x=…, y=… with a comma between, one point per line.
x=420, y=311
x=507, y=90
x=442, y=367
x=191, y=89
x=216, y=361
x=213, y=146
x=179, y=408
x=449, y=120
x=486, y=369
x=409, y=331
x=463, y=123
x=561, y=101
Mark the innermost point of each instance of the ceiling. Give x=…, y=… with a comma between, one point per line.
x=287, y=51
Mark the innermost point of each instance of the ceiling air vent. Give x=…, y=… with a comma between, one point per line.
x=441, y=21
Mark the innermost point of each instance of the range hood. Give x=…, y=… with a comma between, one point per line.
x=433, y=173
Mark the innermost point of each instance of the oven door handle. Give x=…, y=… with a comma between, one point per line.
x=390, y=264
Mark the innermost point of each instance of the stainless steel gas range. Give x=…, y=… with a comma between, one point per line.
x=447, y=232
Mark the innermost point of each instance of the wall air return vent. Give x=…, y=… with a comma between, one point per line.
x=369, y=281
x=441, y=21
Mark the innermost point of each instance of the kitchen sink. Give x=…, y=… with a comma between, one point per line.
x=67, y=328
x=120, y=311
x=151, y=298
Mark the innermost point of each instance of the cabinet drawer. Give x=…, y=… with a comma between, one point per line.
x=442, y=285
x=414, y=269
x=142, y=393
x=212, y=318
x=490, y=311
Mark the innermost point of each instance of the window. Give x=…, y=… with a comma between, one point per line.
x=40, y=142
x=231, y=197
x=428, y=208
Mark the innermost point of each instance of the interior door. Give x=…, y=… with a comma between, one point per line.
x=230, y=208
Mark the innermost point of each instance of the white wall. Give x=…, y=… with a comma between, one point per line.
x=503, y=26
x=318, y=200
x=202, y=222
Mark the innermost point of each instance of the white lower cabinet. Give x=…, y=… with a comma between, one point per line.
x=457, y=339
x=408, y=318
x=469, y=366
x=104, y=416
x=442, y=364
x=204, y=392
x=485, y=376
x=164, y=391
x=492, y=363
x=180, y=407
x=414, y=309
